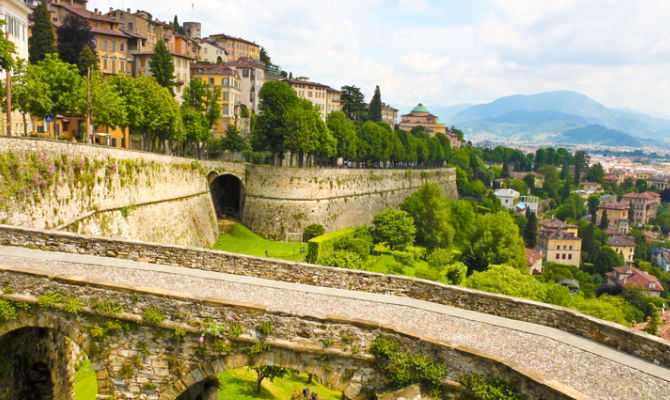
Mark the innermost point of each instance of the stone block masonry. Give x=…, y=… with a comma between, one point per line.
x=624, y=339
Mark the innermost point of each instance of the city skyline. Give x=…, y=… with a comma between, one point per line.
x=445, y=54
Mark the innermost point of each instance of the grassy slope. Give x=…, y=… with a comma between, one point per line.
x=240, y=384
x=85, y=384
x=242, y=240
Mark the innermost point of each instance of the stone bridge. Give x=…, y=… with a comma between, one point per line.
x=137, y=309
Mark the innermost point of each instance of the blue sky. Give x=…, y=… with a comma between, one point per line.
x=448, y=52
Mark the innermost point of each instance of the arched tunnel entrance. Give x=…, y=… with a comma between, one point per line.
x=227, y=195
x=38, y=364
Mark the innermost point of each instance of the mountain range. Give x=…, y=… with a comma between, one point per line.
x=561, y=117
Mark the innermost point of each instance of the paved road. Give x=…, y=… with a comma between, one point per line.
x=593, y=369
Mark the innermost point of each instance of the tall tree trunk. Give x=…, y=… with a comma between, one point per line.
x=258, y=386
x=25, y=124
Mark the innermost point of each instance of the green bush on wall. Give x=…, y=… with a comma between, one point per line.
x=321, y=246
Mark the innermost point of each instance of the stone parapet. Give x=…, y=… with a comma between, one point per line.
x=625, y=339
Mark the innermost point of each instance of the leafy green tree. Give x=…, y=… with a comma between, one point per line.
x=7, y=50
x=344, y=131
x=606, y=260
x=653, y=323
x=551, y=182
x=505, y=170
x=161, y=119
x=29, y=96
x=353, y=103
x=195, y=125
x=75, y=35
x=519, y=185
x=61, y=84
x=162, y=67
x=42, y=41
x=462, y=218
x=87, y=59
x=107, y=105
x=589, y=247
x=370, y=142
x=394, y=227
x=375, y=108
x=593, y=203
x=276, y=98
x=529, y=179
x=267, y=372
x=430, y=211
x=505, y=279
x=265, y=57
x=530, y=232
x=129, y=92
x=581, y=164
x=233, y=140
x=496, y=240
x=596, y=173
x=604, y=222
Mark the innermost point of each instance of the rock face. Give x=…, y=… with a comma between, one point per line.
x=409, y=393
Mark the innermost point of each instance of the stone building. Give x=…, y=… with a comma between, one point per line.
x=617, y=215
x=325, y=98
x=228, y=80
x=420, y=116
x=645, y=205
x=389, y=115
x=211, y=52
x=631, y=276
x=237, y=47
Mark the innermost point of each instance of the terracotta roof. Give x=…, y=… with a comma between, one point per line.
x=643, y=195
x=620, y=241
x=558, y=235
x=623, y=276
x=555, y=224
x=306, y=83
x=131, y=34
x=533, y=256
x=612, y=231
x=149, y=53
x=223, y=35
x=663, y=330
x=615, y=206
x=101, y=30
x=211, y=69
x=84, y=13
x=245, y=62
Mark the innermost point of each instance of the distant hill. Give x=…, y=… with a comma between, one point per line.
x=562, y=117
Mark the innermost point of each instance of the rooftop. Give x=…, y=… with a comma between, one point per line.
x=615, y=206
x=229, y=37
x=506, y=192
x=420, y=109
x=84, y=13
x=211, y=69
x=623, y=276
x=620, y=241
x=558, y=235
x=643, y=195
x=555, y=224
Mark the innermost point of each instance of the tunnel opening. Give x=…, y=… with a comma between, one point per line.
x=227, y=196
x=42, y=364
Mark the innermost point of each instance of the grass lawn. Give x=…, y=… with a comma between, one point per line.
x=242, y=240
x=240, y=384
x=85, y=384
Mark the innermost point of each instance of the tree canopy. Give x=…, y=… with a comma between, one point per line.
x=41, y=41
x=162, y=68
x=75, y=35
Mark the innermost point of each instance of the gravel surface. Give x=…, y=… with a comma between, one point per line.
x=591, y=374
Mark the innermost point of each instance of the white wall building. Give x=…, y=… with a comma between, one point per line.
x=507, y=197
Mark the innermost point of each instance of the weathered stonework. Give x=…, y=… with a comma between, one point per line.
x=146, y=361
x=617, y=336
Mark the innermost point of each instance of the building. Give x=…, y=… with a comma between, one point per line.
x=420, y=116
x=507, y=197
x=633, y=277
x=560, y=247
x=15, y=13
x=318, y=94
x=111, y=43
x=389, y=115
x=557, y=225
x=210, y=52
x=644, y=205
x=662, y=258
x=193, y=29
x=531, y=203
x=624, y=246
x=663, y=329
x=617, y=215
x=534, y=261
x=593, y=187
x=237, y=47
x=227, y=79
x=252, y=77
x=659, y=182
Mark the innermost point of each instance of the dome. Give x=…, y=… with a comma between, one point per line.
x=420, y=109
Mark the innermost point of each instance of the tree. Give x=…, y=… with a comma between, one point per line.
x=268, y=372
x=589, y=246
x=529, y=179
x=530, y=232
x=596, y=173
x=394, y=227
x=74, y=35
x=41, y=41
x=604, y=223
x=606, y=260
x=161, y=120
x=631, y=214
x=28, y=96
x=505, y=170
x=430, y=211
x=233, y=140
x=87, y=59
x=107, y=105
x=61, y=84
x=177, y=27
x=161, y=66
x=653, y=322
x=495, y=240
x=353, y=103
x=581, y=164
x=195, y=125
x=593, y=203
x=344, y=131
x=276, y=98
x=7, y=50
x=375, y=108
x=265, y=57
x=128, y=90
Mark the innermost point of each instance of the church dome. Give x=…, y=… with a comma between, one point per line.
x=420, y=109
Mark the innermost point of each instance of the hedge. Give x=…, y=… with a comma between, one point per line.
x=321, y=246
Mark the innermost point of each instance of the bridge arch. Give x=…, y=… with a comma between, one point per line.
x=227, y=193
x=51, y=330
x=347, y=375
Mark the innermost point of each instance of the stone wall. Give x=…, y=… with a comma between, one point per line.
x=617, y=336
x=145, y=361
x=280, y=200
x=111, y=192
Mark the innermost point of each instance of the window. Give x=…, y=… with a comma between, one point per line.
x=113, y=45
x=104, y=44
x=224, y=110
x=563, y=256
x=558, y=256
x=570, y=247
x=569, y=256
x=226, y=95
x=104, y=63
x=245, y=73
x=211, y=81
x=225, y=81
x=121, y=46
x=130, y=26
x=558, y=247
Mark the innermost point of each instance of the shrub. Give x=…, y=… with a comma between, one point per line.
x=153, y=315
x=313, y=231
x=395, y=268
x=353, y=244
x=482, y=387
x=72, y=304
x=7, y=310
x=456, y=272
x=428, y=273
x=49, y=299
x=439, y=259
x=343, y=259
x=321, y=246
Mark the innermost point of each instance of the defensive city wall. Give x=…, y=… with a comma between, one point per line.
x=151, y=197
x=628, y=340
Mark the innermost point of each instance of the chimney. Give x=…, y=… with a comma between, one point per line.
x=111, y=9
x=128, y=10
x=95, y=10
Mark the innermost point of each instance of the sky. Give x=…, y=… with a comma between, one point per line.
x=447, y=52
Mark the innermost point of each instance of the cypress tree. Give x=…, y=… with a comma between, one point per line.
x=530, y=231
x=631, y=214
x=505, y=170
x=162, y=67
x=604, y=223
x=376, y=106
x=42, y=41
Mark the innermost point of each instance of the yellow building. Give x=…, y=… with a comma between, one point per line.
x=237, y=47
x=15, y=14
x=557, y=225
x=623, y=245
x=111, y=44
x=645, y=205
x=66, y=128
x=324, y=98
x=617, y=215
x=228, y=80
x=389, y=115
x=560, y=247
x=420, y=116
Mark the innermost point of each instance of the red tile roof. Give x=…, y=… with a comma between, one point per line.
x=211, y=69
x=84, y=13
x=615, y=206
x=623, y=276
x=558, y=235
x=643, y=195
x=663, y=330
x=620, y=241
x=533, y=256
x=245, y=62
x=555, y=224
x=101, y=30
x=306, y=83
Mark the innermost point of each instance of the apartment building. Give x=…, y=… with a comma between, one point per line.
x=389, y=115
x=228, y=80
x=210, y=52
x=15, y=13
x=237, y=47
x=559, y=241
x=617, y=215
x=318, y=94
x=644, y=205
